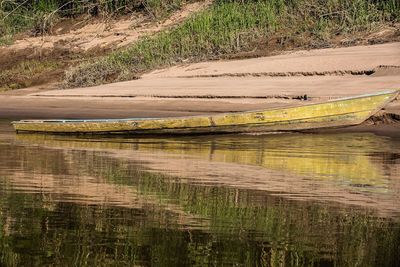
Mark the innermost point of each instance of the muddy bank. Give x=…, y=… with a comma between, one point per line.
x=13, y=108
x=52, y=108
x=204, y=88
x=23, y=107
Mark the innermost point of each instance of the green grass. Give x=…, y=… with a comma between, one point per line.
x=25, y=73
x=17, y=16
x=38, y=16
x=228, y=27
x=6, y=40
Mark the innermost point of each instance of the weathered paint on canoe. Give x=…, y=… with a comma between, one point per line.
x=343, y=112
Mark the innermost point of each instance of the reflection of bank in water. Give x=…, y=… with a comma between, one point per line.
x=330, y=167
x=129, y=205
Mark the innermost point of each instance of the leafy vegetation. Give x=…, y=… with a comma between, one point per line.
x=238, y=26
x=40, y=15
x=228, y=27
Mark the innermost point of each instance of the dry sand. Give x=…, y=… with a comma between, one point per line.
x=330, y=61
x=222, y=86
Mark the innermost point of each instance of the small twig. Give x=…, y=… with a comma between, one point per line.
x=12, y=11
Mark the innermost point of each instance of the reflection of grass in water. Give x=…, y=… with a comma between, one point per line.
x=282, y=223
x=244, y=226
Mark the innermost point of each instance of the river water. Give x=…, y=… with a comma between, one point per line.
x=234, y=200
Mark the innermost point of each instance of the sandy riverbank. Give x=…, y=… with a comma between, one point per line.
x=221, y=86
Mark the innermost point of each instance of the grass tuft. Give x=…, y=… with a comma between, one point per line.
x=25, y=73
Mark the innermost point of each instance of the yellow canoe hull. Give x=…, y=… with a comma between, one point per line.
x=337, y=113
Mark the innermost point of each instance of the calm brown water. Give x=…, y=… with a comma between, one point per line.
x=272, y=200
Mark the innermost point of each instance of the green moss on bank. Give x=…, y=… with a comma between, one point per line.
x=238, y=26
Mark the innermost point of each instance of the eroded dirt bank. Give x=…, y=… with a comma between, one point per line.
x=222, y=86
x=41, y=59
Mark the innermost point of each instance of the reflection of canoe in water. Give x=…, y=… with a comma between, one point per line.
x=338, y=113
x=287, y=160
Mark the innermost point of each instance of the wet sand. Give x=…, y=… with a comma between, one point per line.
x=221, y=86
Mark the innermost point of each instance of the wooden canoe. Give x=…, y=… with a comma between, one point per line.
x=337, y=113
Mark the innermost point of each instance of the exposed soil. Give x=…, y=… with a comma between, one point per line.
x=94, y=34
x=72, y=41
